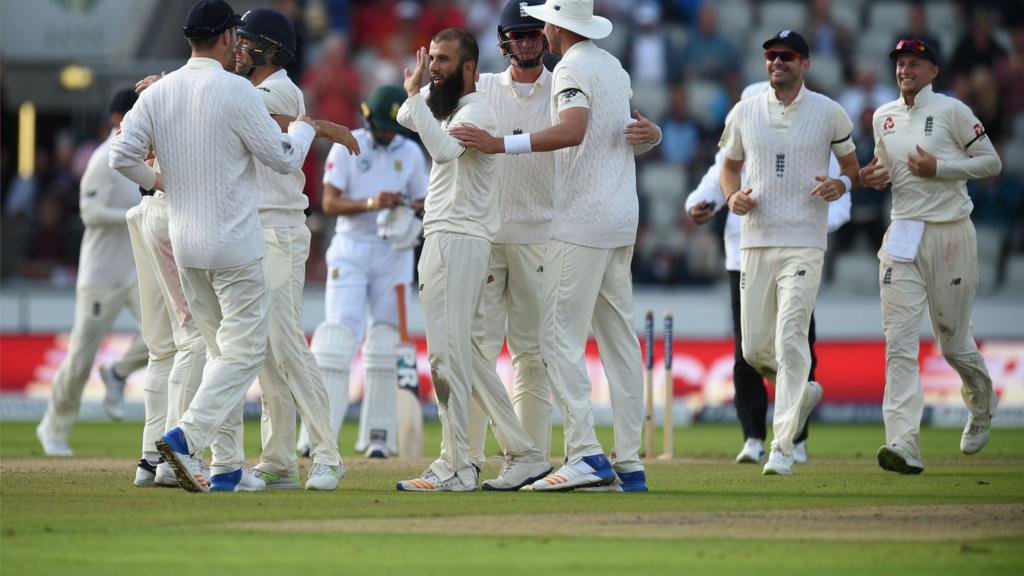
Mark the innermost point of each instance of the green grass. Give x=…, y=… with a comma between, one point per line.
x=83, y=516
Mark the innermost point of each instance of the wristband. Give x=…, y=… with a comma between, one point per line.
x=518, y=144
x=846, y=182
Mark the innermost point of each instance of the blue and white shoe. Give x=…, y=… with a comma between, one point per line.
x=241, y=480
x=624, y=482
x=593, y=470
x=187, y=468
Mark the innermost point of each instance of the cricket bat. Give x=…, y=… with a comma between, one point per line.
x=409, y=409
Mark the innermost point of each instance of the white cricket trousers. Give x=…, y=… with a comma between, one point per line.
x=588, y=288
x=778, y=288
x=290, y=377
x=177, y=353
x=944, y=277
x=230, y=308
x=510, y=310
x=95, y=312
x=452, y=272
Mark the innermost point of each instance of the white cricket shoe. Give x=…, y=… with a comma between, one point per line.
x=515, y=474
x=277, y=481
x=241, y=480
x=431, y=482
x=896, y=458
x=165, y=476
x=324, y=477
x=188, y=469
x=113, y=401
x=52, y=446
x=145, y=474
x=800, y=452
x=752, y=452
x=778, y=464
x=593, y=470
x=974, y=437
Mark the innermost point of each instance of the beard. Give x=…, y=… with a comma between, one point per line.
x=443, y=98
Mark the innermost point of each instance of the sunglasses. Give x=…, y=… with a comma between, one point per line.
x=912, y=45
x=784, y=55
x=522, y=35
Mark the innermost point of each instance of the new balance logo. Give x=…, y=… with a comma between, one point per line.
x=955, y=282
x=286, y=146
x=540, y=268
x=801, y=272
x=743, y=280
x=887, y=279
x=780, y=164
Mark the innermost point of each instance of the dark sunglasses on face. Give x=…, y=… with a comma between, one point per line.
x=784, y=55
x=521, y=35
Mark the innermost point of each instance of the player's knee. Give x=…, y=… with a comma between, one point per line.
x=334, y=346
x=379, y=348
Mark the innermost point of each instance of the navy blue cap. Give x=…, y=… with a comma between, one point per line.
x=122, y=101
x=792, y=39
x=919, y=48
x=208, y=18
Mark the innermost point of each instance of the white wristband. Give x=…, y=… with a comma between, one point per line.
x=518, y=144
x=846, y=181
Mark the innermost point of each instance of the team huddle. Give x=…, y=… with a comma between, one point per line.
x=529, y=220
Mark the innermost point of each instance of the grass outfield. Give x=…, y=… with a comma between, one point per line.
x=840, y=514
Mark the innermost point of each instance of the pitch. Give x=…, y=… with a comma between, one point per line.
x=838, y=514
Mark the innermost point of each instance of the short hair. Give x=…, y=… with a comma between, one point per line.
x=205, y=43
x=468, y=48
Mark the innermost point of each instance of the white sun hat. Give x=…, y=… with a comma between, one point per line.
x=574, y=15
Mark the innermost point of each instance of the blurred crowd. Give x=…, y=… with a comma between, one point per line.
x=689, y=61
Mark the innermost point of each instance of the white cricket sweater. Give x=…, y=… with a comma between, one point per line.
x=282, y=203
x=461, y=195
x=524, y=180
x=595, y=197
x=105, y=259
x=208, y=126
x=781, y=163
x=947, y=129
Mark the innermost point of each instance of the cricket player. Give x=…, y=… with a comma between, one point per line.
x=106, y=285
x=290, y=377
x=927, y=145
x=587, y=279
x=209, y=126
x=510, y=304
x=784, y=137
x=388, y=179
x=461, y=220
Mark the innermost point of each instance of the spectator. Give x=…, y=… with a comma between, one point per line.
x=1009, y=78
x=827, y=35
x=865, y=94
x=293, y=10
x=375, y=22
x=647, y=58
x=436, y=16
x=978, y=49
x=332, y=86
x=681, y=134
x=710, y=56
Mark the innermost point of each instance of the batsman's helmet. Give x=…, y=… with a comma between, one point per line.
x=269, y=29
x=380, y=109
x=515, y=19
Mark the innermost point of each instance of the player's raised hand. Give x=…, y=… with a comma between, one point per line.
x=828, y=189
x=922, y=164
x=414, y=78
x=473, y=137
x=874, y=174
x=741, y=203
x=642, y=131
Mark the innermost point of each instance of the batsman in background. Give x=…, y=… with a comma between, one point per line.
x=106, y=284
x=374, y=197
x=510, y=303
x=928, y=145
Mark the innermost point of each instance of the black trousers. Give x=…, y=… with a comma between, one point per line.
x=751, y=398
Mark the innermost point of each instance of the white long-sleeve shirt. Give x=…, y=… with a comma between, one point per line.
x=710, y=191
x=282, y=203
x=208, y=126
x=461, y=197
x=947, y=129
x=105, y=260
